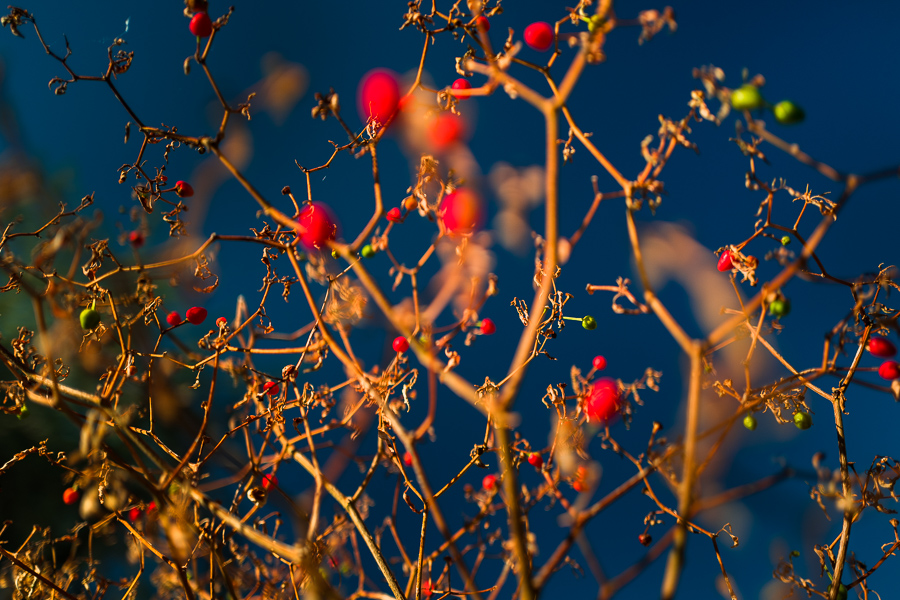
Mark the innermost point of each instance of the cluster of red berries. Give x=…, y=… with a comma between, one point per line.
x=884, y=348
x=194, y=315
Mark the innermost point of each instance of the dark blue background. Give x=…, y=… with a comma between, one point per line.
x=839, y=62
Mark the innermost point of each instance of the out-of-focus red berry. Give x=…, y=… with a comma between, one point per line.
x=483, y=23
x=461, y=211
x=889, y=370
x=725, y=263
x=539, y=36
x=379, y=95
x=488, y=327
x=881, y=347
x=461, y=84
x=400, y=344
x=183, y=188
x=535, y=460
x=136, y=238
x=269, y=481
x=489, y=482
x=445, y=130
x=315, y=225
x=393, y=215
x=201, y=24
x=604, y=401
x=195, y=315
x=71, y=495
x=407, y=458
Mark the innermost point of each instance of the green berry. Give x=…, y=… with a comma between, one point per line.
x=785, y=240
x=750, y=422
x=780, y=307
x=788, y=113
x=367, y=251
x=589, y=323
x=802, y=420
x=89, y=318
x=747, y=97
x=23, y=413
x=595, y=22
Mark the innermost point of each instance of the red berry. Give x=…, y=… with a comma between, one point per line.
x=462, y=84
x=645, y=539
x=539, y=36
x=488, y=327
x=881, y=347
x=489, y=482
x=173, y=318
x=580, y=482
x=271, y=388
x=269, y=481
x=604, y=401
x=393, y=215
x=201, y=25
x=221, y=322
x=183, y=188
x=889, y=369
x=461, y=212
x=445, y=130
x=70, y=496
x=427, y=590
x=599, y=363
x=134, y=514
x=379, y=95
x=315, y=225
x=136, y=238
x=483, y=23
x=151, y=508
x=400, y=344
x=195, y=315
x=725, y=263
x=535, y=460
x=407, y=458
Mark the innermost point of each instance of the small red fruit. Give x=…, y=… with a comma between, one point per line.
x=271, y=388
x=881, y=347
x=221, y=322
x=71, y=496
x=725, y=263
x=539, y=36
x=195, y=315
x=315, y=225
x=488, y=327
x=269, y=481
x=407, y=458
x=136, y=238
x=483, y=23
x=445, y=130
x=379, y=95
x=427, y=589
x=183, y=188
x=535, y=460
x=461, y=84
x=201, y=25
x=580, y=482
x=461, y=212
x=489, y=482
x=173, y=318
x=400, y=344
x=599, y=363
x=889, y=370
x=151, y=508
x=393, y=215
x=645, y=539
x=604, y=401
x=134, y=514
